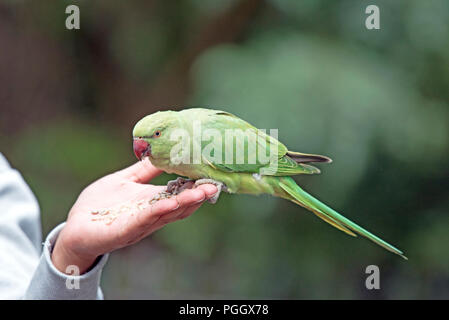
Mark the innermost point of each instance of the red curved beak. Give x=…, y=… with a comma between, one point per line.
x=141, y=148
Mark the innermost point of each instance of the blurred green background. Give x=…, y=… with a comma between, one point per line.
x=376, y=101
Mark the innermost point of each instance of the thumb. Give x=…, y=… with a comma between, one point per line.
x=140, y=172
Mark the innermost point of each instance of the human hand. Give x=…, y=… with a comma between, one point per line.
x=115, y=211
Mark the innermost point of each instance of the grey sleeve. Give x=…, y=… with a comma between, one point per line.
x=49, y=283
x=25, y=273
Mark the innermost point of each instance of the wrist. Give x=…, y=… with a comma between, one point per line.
x=63, y=256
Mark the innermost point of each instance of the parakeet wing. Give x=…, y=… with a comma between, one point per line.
x=259, y=152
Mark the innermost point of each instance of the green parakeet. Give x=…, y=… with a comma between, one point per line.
x=204, y=144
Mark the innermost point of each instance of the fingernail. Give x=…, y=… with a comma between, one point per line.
x=212, y=195
x=199, y=201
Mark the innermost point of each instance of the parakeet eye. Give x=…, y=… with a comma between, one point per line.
x=157, y=134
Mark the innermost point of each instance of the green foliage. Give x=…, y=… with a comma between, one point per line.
x=59, y=158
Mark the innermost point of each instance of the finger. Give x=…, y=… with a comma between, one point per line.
x=189, y=201
x=168, y=210
x=189, y=211
x=185, y=199
x=140, y=172
x=160, y=214
x=209, y=189
x=175, y=216
x=190, y=197
x=147, y=232
x=165, y=211
x=140, y=222
x=147, y=217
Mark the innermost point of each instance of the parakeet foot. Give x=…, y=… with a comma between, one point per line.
x=220, y=186
x=177, y=186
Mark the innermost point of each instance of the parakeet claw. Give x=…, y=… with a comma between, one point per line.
x=220, y=186
x=174, y=187
x=177, y=186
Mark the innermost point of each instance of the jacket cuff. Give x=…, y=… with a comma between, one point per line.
x=50, y=283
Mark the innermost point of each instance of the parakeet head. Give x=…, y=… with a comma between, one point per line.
x=151, y=135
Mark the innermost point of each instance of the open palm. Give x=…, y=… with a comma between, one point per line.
x=118, y=210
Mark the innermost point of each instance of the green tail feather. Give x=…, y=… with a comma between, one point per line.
x=329, y=215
